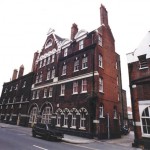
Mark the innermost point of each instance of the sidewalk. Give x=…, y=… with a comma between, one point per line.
x=67, y=138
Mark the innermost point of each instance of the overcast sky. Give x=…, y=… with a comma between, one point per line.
x=24, y=25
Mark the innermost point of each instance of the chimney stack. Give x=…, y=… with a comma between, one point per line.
x=36, y=54
x=103, y=15
x=74, y=30
x=14, y=76
x=21, y=71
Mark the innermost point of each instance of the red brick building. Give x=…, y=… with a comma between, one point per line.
x=77, y=82
x=139, y=78
x=15, y=98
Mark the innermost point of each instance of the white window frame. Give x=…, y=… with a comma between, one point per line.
x=48, y=75
x=76, y=65
x=101, y=111
x=100, y=61
x=58, y=119
x=65, y=52
x=50, y=91
x=37, y=94
x=37, y=79
x=40, y=78
x=65, y=119
x=84, y=63
x=101, y=85
x=82, y=120
x=62, y=90
x=52, y=58
x=53, y=74
x=45, y=93
x=44, y=62
x=33, y=115
x=81, y=44
x=100, y=40
x=48, y=60
x=75, y=87
x=115, y=113
x=73, y=121
x=64, y=68
x=84, y=86
x=40, y=64
x=46, y=115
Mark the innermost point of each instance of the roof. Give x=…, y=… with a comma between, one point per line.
x=143, y=48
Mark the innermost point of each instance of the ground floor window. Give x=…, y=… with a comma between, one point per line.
x=146, y=120
x=33, y=115
x=46, y=115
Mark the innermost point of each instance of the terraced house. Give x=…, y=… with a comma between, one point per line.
x=77, y=83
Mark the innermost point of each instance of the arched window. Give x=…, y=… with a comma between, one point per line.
x=58, y=115
x=46, y=115
x=33, y=115
x=115, y=112
x=74, y=113
x=83, y=112
x=146, y=120
x=66, y=112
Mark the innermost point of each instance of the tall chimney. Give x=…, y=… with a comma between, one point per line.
x=14, y=76
x=103, y=15
x=21, y=71
x=74, y=30
x=36, y=54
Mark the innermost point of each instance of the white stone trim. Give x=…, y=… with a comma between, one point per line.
x=137, y=124
x=144, y=102
x=67, y=80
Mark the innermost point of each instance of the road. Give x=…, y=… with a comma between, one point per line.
x=15, y=139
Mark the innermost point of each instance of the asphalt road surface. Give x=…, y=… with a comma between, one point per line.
x=12, y=139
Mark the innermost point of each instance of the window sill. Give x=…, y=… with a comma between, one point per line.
x=143, y=68
x=63, y=74
x=101, y=92
x=84, y=68
x=83, y=92
x=73, y=127
x=74, y=93
x=115, y=118
x=65, y=126
x=62, y=95
x=76, y=70
x=102, y=117
x=82, y=128
x=57, y=125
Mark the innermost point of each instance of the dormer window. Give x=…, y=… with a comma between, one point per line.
x=48, y=43
x=65, y=52
x=143, y=62
x=81, y=44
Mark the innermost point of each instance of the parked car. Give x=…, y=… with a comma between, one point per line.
x=47, y=131
x=124, y=130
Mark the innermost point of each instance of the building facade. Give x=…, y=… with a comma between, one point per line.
x=77, y=83
x=139, y=80
x=15, y=98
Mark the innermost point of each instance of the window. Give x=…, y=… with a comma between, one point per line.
x=143, y=62
x=100, y=85
x=62, y=89
x=48, y=75
x=73, y=122
x=65, y=52
x=65, y=119
x=44, y=62
x=117, y=80
x=84, y=85
x=64, y=70
x=40, y=78
x=81, y=45
x=146, y=121
x=46, y=115
x=50, y=91
x=53, y=74
x=100, y=61
x=33, y=115
x=118, y=97
x=75, y=87
x=48, y=60
x=52, y=58
x=45, y=93
x=84, y=63
x=58, y=118
x=116, y=65
x=37, y=94
x=37, y=79
x=76, y=65
x=82, y=120
x=99, y=40
x=115, y=113
x=40, y=64
x=101, y=111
